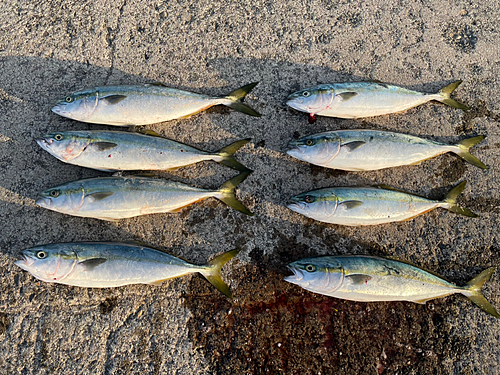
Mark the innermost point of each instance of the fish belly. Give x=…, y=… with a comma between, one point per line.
x=127, y=204
x=147, y=109
x=376, y=103
x=379, y=155
x=126, y=158
x=380, y=212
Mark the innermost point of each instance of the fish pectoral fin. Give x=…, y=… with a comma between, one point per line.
x=113, y=99
x=349, y=205
x=351, y=146
x=358, y=279
x=345, y=96
x=99, y=196
x=90, y=264
x=103, y=146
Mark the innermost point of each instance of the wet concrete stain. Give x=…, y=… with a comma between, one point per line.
x=108, y=305
x=479, y=109
x=273, y=327
x=460, y=37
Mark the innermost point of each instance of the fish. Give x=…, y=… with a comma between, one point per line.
x=371, y=279
x=359, y=205
x=365, y=99
x=143, y=104
x=113, y=151
x=114, y=264
x=119, y=197
x=369, y=150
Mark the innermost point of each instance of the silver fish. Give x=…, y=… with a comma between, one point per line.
x=126, y=151
x=370, y=279
x=143, y=104
x=112, y=264
x=354, y=206
x=368, y=150
x=364, y=99
x=113, y=198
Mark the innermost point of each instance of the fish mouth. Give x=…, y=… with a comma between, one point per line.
x=295, y=150
x=59, y=109
x=297, y=276
x=25, y=262
x=44, y=202
x=45, y=143
x=296, y=206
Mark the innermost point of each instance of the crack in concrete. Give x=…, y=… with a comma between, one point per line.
x=111, y=40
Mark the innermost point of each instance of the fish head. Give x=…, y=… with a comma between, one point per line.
x=64, y=145
x=48, y=263
x=78, y=106
x=317, y=149
x=321, y=274
x=318, y=204
x=312, y=100
x=67, y=198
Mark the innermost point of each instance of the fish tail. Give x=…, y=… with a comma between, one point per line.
x=451, y=201
x=444, y=96
x=226, y=193
x=234, y=100
x=464, y=153
x=212, y=271
x=473, y=291
x=226, y=155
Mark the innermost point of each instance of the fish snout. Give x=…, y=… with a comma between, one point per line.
x=44, y=202
x=296, y=206
x=59, y=109
x=297, y=276
x=25, y=262
x=45, y=142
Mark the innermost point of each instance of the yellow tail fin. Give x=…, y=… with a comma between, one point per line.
x=474, y=287
x=213, y=269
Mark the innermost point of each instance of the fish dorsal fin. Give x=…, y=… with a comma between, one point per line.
x=157, y=84
x=345, y=96
x=358, y=279
x=114, y=99
x=99, y=196
x=349, y=205
x=103, y=146
x=398, y=259
x=380, y=83
x=354, y=145
x=150, y=132
x=90, y=264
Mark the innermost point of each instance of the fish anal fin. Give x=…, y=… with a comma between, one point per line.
x=359, y=279
x=113, y=99
x=420, y=213
x=351, y=146
x=157, y=282
x=194, y=113
x=345, y=96
x=349, y=205
x=423, y=301
x=90, y=264
x=150, y=132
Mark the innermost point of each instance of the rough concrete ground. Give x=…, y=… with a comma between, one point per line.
x=50, y=48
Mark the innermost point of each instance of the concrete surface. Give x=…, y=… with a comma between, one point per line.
x=50, y=48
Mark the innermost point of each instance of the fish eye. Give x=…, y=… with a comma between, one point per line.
x=54, y=193
x=41, y=255
x=68, y=99
x=309, y=199
x=310, y=268
x=309, y=142
x=58, y=137
x=306, y=94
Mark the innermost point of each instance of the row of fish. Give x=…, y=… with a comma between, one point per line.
x=153, y=103
x=356, y=278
